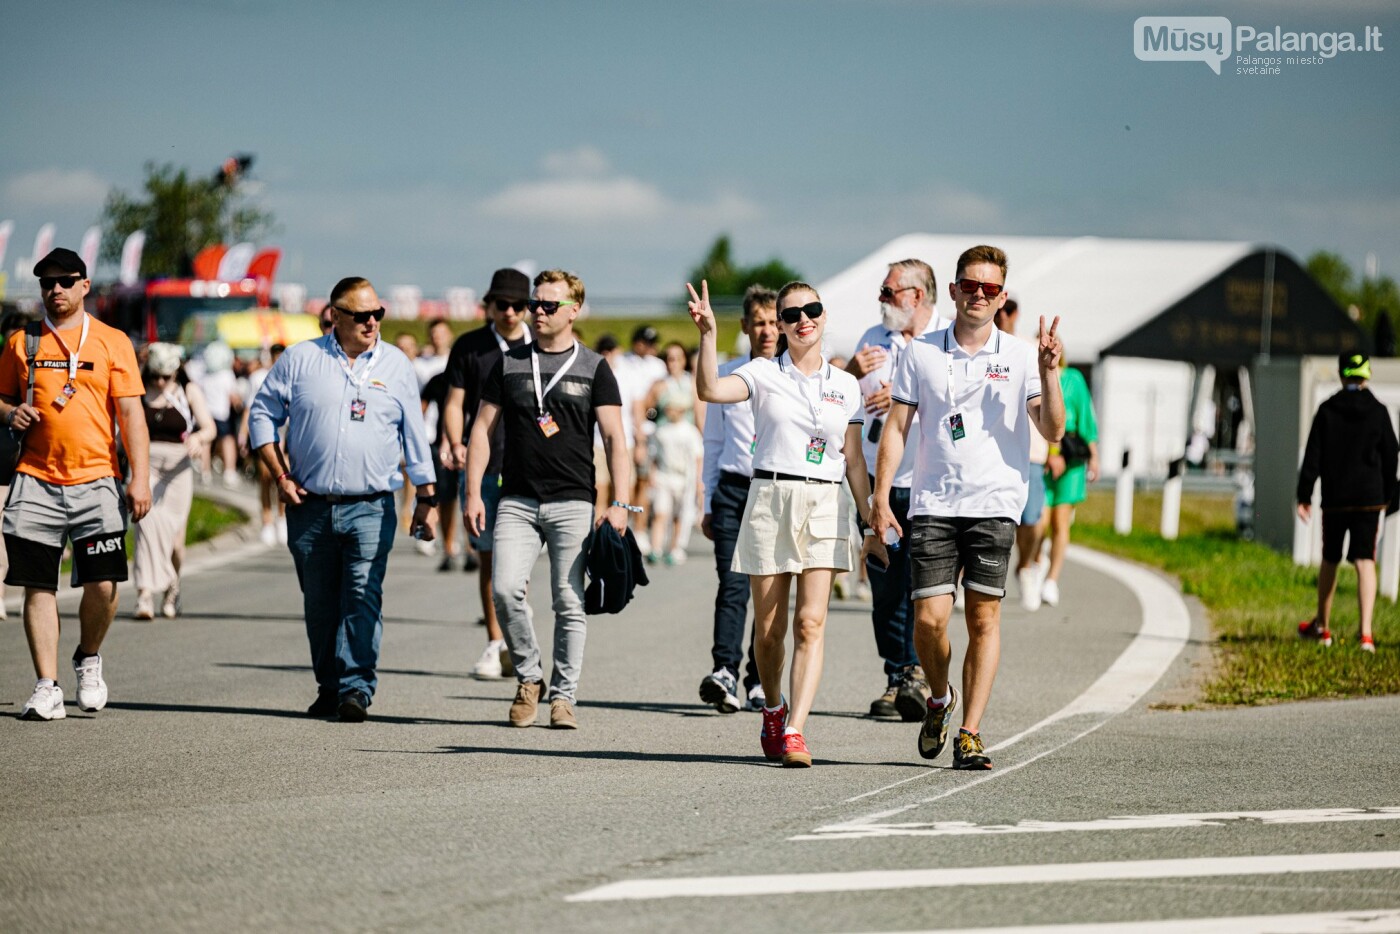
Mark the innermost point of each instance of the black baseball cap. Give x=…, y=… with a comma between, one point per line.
x=62, y=260
x=510, y=284
x=646, y=334
x=1354, y=366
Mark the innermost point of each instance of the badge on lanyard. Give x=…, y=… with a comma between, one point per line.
x=548, y=426
x=357, y=410
x=70, y=389
x=955, y=423
x=753, y=445
x=816, y=449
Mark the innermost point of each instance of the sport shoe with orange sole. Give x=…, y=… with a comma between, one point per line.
x=795, y=754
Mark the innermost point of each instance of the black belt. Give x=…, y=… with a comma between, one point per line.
x=336, y=499
x=772, y=475
x=734, y=479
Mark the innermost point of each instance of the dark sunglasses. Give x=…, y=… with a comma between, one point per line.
x=362, y=317
x=887, y=294
x=548, y=308
x=793, y=315
x=48, y=282
x=989, y=289
x=507, y=305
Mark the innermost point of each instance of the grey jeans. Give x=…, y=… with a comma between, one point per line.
x=522, y=525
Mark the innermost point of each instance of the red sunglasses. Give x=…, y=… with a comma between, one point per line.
x=989, y=289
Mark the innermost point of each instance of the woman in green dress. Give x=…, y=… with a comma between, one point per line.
x=1067, y=477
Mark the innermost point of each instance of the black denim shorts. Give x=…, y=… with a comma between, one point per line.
x=939, y=547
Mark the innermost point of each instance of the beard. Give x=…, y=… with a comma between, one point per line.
x=896, y=318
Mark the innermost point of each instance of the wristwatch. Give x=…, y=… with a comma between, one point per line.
x=427, y=500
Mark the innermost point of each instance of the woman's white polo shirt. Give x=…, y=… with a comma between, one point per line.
x=800, y=421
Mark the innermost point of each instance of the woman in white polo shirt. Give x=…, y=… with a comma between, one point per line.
x=807, y=424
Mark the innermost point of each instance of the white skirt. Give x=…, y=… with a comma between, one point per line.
x=791, y=526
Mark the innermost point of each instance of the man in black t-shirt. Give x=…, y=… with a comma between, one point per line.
x=548, y=397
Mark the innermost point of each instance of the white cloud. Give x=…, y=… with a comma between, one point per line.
x=56, y=188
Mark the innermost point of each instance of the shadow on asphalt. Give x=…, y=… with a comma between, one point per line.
x=383, y=671
x=293, y=714
x=627, y=755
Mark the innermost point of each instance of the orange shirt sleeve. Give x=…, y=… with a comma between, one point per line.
x=12, y=367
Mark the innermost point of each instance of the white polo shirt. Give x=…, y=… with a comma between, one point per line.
x=800, y=422
x=729, y=437
x=984, y=473
x=894, y=344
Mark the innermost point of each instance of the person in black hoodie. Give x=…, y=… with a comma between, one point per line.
x=1352, y=449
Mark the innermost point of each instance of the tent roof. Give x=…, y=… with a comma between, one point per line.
x=1102, y=288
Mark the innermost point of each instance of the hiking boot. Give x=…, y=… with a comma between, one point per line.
x=561, y=715
x=46, y=703
x=1309, y=630
x=721, y=690
x=527, y=702
x=354, y=707
x=968, y=752
x=795, y=754
x=92, y=690
x=771, y=736
x=933, y=736
x=911, y=697
x=883, y=707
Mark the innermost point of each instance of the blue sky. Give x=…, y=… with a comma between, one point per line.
x=430, y=143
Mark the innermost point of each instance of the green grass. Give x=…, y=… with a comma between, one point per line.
x=1255, y=597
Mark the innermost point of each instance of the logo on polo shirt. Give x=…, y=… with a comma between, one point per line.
x=999, y=371
x=834, y=396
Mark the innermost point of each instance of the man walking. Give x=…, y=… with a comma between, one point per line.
x=548, y=396
x=351, y=402
x=1352, y=449
x=727, y=475
x=474, y=355
x=907, y=297
x=67, y=485
x=978, y=392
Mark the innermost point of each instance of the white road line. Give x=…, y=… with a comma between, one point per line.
x=887, y=879
x=1166, y=625
x=1365, y=921
x=1123, y=822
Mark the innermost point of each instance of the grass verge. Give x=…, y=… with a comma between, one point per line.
x=1255, y=597
x=207, y=519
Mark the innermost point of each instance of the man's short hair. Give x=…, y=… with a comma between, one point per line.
x=606, y=344
x=574, y=283
x=348, y=284
x=791, y=287
x=919, y=273
x=982, y=254
x=756, y=297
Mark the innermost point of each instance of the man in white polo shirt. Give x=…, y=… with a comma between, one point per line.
x=978, y=392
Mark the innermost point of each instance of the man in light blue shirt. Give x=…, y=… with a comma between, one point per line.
x=352, y=403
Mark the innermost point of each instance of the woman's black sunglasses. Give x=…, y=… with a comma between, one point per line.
x=793, y=315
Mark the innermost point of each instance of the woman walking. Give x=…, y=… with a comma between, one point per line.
x=1070, y=467
x=181, y=429
x=807, y=424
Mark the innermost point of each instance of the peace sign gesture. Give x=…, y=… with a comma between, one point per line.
x=700, y=311
x=1048, y=344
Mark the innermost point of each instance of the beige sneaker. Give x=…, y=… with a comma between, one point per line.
x=527, y=702
x=561, y=715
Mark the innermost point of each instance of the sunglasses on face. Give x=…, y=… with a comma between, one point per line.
x=506, y=305
x=794, y=314
x=989, y=289
x=548, y=308
x=362, y=317
x=887, y=294
x=48, y=282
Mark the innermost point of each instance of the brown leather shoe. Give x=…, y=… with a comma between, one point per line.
x=527, y=702
x=561, y=715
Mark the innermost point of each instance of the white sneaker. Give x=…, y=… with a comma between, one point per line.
x=643, y=540
x=46, y=703
x=145, y=606
x=268, y=535
x=677, y=556
x=863, y=593
x=426, y=549
x=281, y=530
x=231, y=479
x=92, y=690
x=170, y=607
x=1030, y=589
x=488, y=667
x=1050, y=593
x=4, y=613
x=756, y=697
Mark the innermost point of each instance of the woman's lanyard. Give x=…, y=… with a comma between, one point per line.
x=501, y=341
x=181, y=404
x=816, y=442
x=357, y=405
x=71, y=387
x=548, y=426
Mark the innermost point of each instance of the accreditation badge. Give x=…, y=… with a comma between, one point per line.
x=816, y=449
x=70, y=389
x=955, y=425
x=548, y=426
x=357, y=410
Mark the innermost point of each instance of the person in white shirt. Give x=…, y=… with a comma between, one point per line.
x=675, y=484
x=1028, y=539
x=807, y=422
x=978, y=392
x=907, y=296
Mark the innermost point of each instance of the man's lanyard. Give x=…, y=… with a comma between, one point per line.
x=554, y=380
x=348, y=366
x=815, y=407
x=501, y=341
x=72, y=354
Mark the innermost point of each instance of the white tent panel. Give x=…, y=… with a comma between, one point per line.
x=1141, y=407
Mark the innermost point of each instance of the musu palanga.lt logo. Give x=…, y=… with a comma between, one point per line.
x=1213, y=40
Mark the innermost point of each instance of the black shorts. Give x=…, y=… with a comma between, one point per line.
x=940, y=546
x=1365, y=529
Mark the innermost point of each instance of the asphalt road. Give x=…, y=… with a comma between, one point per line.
x=203, y=796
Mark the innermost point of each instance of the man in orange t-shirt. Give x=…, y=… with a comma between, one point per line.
x=67, y=484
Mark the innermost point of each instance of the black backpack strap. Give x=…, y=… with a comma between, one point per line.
x=32, y=332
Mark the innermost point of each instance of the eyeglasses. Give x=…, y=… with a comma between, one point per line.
x=362, y=317
x=887, y=294
x=548, y=308
x=794, y=314
x=989, y=289
x=48, y=282
x=519, y=304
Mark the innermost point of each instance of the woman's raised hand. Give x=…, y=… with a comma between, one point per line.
x=700, y=311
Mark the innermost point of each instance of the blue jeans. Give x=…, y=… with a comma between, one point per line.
x=732, y=598
x=341, y=552
x=892, y=611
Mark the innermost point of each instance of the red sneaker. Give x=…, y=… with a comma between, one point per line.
x=1309, y=629
x=795, y=754
x=771, y=736
x=1368, y=644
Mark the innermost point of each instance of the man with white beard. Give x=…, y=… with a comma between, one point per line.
x=907, y=298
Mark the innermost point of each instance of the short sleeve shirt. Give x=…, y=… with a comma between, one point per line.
x=983, y=473
x=800, y=421
x=74, y=443
x=469, y=363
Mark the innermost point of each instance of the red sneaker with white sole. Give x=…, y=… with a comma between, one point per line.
x=1368, y=644
x=1310, y=630
x=771, y=736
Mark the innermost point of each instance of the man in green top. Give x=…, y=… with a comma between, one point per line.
x=1067, y=474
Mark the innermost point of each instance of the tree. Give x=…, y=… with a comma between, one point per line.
x=1367, y=296
x=181, y=215
x=728, y=281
